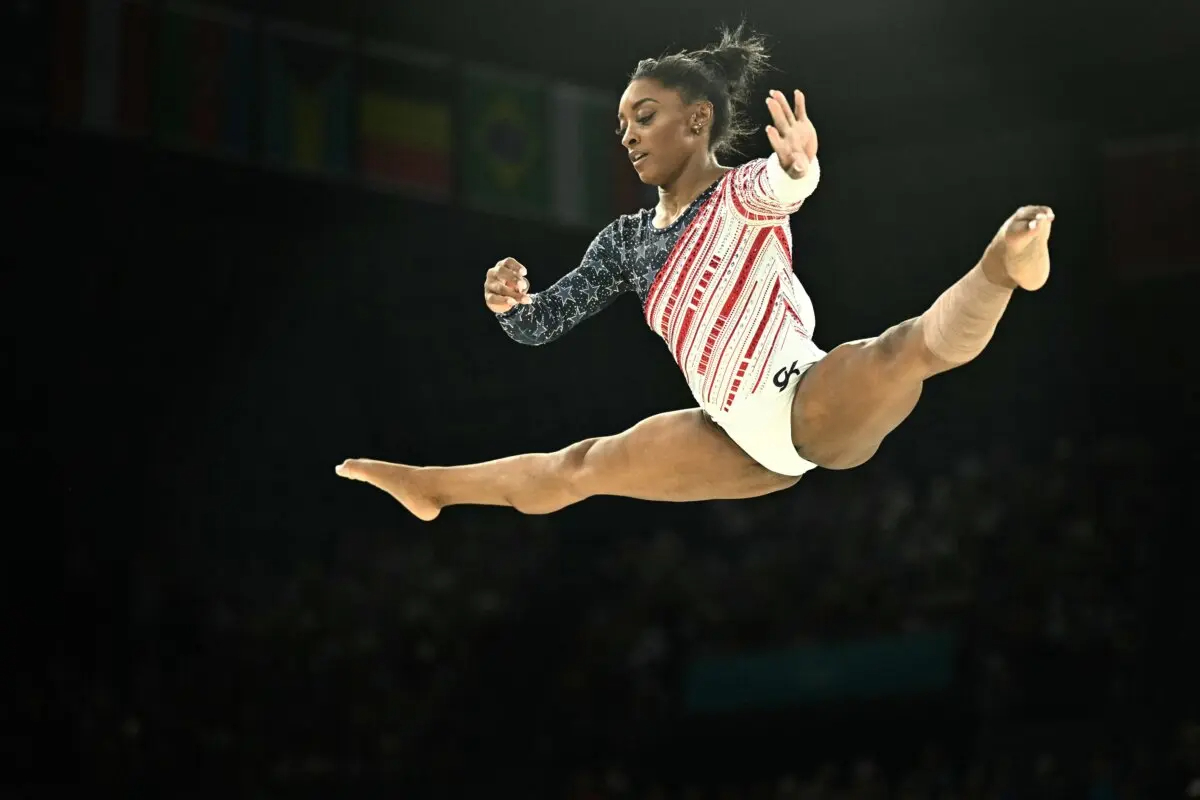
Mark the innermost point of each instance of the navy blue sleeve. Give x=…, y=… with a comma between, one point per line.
x=588, y=289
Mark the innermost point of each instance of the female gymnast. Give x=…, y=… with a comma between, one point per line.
x=712, y=266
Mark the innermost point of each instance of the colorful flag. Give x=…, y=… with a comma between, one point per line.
x=100, y=65
x=404, y=121
x=203, y=82
x=506, y=158
x=307, y=99
x=593, y=179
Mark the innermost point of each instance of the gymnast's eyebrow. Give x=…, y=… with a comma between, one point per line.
x=637, y=105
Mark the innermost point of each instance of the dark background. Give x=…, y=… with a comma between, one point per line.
x=196, y=342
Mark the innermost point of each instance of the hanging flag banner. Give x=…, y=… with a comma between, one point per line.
x=593, y=179
x=100, y=65
x=405, y=138
x=307, y=99
x=203, y=80
x=505, y=162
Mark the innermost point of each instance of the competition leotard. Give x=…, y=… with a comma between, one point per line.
x=717, y=286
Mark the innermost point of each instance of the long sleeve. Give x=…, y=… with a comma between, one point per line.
x=592, y=286
x=764, y=191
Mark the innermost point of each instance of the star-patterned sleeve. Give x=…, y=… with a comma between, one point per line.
x=598, y=280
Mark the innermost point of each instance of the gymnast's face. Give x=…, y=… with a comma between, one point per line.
x=657, y=129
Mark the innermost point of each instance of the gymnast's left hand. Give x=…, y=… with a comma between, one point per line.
x=793, y=136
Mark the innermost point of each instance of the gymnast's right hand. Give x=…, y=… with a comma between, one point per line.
x=506, y=286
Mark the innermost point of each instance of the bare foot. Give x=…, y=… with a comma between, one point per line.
x=1020, y=253
x=396, y=479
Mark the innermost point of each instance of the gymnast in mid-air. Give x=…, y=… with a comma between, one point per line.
x=712, y=266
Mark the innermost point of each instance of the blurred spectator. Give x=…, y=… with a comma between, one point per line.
x=389, y=656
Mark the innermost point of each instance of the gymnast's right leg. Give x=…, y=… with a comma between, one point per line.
x=680, y=456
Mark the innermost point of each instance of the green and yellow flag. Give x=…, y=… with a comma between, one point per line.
x=506, y=158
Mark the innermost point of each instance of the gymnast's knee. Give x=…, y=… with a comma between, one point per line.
x=563, y=483
x=901, y=351
x=778, y=483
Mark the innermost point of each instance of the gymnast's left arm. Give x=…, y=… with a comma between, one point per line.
x=585, y=291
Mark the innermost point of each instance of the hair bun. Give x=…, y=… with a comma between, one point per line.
x=721, y=73
x=737, y=59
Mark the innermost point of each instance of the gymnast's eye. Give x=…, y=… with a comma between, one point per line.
x=640, y=121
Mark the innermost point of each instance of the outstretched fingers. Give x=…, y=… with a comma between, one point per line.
x=801, y=109
x=778, y=144
x=781, y=112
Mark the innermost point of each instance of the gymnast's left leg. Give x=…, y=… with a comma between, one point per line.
x=680, y=456
x=861, y=391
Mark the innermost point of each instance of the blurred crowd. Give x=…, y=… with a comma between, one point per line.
x=384, y=654
x=1105, y=774
x=1041, y=564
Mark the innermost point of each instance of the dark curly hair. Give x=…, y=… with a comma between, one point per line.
x=721, y=73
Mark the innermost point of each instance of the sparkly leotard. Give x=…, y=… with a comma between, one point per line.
x=717, y=286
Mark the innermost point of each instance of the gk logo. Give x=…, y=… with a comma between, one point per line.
x=784, y=376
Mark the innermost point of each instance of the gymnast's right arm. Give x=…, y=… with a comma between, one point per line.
x=536, y=319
